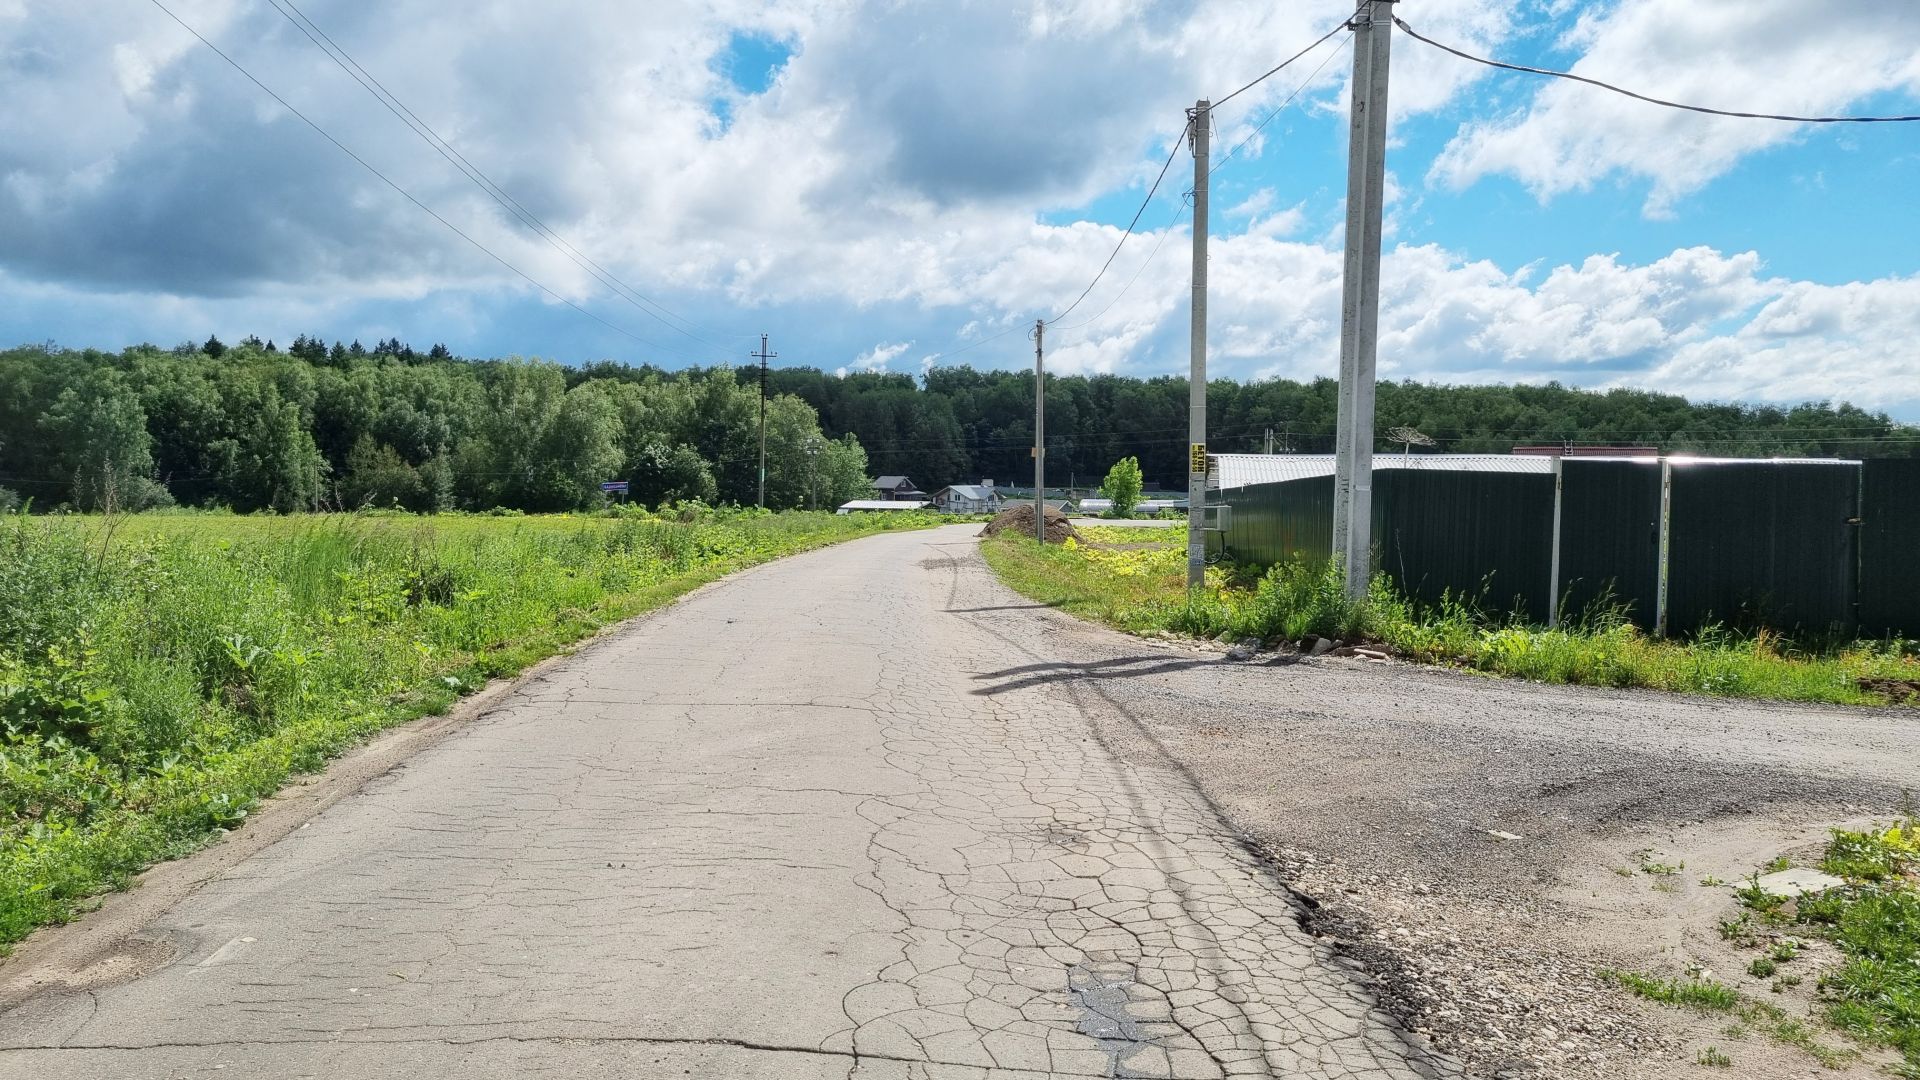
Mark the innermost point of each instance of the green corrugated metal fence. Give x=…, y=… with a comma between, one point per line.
x=1749, y=543
x=1271, y=523
x=1610, y=537
x=1482, y=536
x=1760, y=543
x=1890, y=548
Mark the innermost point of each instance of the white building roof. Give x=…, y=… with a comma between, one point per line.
x=1232, y=471
x=1689, y=459
x=1244, y=470
x=968, y=491
x=1241, y=470
x=883, y=504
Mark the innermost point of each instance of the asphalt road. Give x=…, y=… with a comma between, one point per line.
x=853, y=814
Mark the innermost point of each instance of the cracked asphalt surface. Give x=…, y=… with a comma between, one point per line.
x=838, y=816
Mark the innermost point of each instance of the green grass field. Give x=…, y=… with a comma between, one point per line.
x=1135, y=580
x=161, y=673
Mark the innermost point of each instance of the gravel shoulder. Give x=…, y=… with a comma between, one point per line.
x=1482, y=844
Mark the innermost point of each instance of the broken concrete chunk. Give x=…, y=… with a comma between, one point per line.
x=1798, y=882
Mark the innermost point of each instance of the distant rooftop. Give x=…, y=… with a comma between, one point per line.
x=1243, y=470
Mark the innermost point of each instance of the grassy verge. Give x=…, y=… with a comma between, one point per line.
x=1138, y=583
x=159, y=674
x=1873, y=922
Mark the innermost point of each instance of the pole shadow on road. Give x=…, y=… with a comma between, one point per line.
x=997, y=607
x=1123, y=667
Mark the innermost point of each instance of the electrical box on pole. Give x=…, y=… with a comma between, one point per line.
x=1360, y=295
x=1199, y=131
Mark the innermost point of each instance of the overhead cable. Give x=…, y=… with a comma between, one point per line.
x=1417, y=36
x=345, y=61
x=1215, y=170
x=1282, y=107
x=1169, y=164
x=1123, y=236
x=1282, y=66
x=404, y=193
x=1165, y=231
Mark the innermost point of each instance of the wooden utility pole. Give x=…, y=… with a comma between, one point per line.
x=764, y=355
x=1199, y=130
x=1360, y=295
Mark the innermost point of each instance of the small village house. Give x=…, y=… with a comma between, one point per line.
x=980, y=498
x=897, y=489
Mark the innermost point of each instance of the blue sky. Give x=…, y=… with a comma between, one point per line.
x=880, y=185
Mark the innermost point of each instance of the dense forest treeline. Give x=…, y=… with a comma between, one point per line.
x=256, y=426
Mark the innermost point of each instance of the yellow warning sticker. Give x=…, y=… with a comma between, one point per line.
x=1197, y=458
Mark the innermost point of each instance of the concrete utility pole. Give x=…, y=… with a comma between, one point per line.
x=1199, y=131
x=1360, y=295
x=1039, y=430
x=764, y=355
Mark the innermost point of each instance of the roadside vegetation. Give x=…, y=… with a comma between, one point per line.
x=1136, y=581
x=159, y=674
x=304, y=425
x=1872, y=922
x=1857, y=945
x=1122, y=487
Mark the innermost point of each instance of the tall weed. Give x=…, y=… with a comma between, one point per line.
x=153, y=688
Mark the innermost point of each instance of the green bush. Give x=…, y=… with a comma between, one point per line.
x=1295, y=599
x=1122, y=485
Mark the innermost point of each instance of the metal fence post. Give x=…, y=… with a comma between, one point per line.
x=1553, y=572
x=1666, y=526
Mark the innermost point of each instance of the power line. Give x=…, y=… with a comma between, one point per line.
x=1417, y=36
x=368, y=81
x=1282, y=107
x=1165, y=231
x=1151, y=191
x=404, y=193
x=983, y=341
x=1123, y=236
x=1278, y=68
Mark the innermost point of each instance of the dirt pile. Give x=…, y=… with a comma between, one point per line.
x=1902, y=691
x=1020, y=519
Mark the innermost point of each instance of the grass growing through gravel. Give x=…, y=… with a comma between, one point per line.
x=1138, y=583
x=1697, y=993
x=1874, y=921
x=159, y=674
x=1708, y=996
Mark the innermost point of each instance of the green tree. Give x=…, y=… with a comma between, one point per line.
x=269, y=460
x=378, y=476
x=436, y=483
x=1122, y=485
x=660, y=474
x=102, y=432
x=842, y=472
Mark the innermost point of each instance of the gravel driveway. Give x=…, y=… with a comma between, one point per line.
x=1479, y=842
